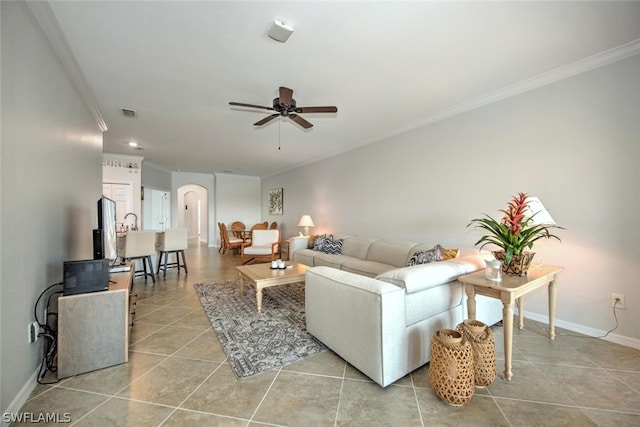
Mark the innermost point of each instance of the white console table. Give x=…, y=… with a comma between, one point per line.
x=93, y=328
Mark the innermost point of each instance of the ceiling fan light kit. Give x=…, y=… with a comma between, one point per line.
x=280, y=31
x=286, y=106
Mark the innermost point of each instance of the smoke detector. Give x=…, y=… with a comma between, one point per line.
x=280, y=31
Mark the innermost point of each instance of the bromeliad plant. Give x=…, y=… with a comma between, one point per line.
x=516, y=232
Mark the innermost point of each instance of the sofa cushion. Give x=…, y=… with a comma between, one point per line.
x=392, y=252
x=365, y=268
x=329, y=260
x=424, y=257
x=357, y=247
x=305, y=256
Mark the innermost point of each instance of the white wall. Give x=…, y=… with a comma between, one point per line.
x=51, y=178
x=574, y=144
x=237, y=199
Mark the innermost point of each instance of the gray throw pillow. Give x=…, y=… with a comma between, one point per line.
x=424, y=257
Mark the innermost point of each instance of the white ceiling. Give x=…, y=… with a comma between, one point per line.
x=387, y=66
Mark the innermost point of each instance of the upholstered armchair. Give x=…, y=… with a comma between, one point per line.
x=265, y=245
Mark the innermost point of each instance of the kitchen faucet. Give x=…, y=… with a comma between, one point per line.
x=135, y=226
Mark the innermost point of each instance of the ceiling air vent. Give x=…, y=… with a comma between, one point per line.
x=128, y=113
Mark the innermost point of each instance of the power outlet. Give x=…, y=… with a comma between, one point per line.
x=34, y=328
x=620, y=299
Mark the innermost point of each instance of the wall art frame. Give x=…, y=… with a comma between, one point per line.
x=275, y=201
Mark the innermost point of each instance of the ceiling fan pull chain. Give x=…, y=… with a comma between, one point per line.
x=279, y=124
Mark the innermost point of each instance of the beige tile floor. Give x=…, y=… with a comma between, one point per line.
x=177, y=375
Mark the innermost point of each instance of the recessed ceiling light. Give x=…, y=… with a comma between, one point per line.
x=133, y=144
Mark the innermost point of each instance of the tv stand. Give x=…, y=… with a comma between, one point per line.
x=93, y=328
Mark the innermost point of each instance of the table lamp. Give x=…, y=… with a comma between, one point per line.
x=539, y=213
x=306, y=222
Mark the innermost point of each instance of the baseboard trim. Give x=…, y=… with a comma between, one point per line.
x=615, y=338
x=21, y=397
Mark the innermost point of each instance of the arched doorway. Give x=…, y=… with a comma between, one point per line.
x=193, y=210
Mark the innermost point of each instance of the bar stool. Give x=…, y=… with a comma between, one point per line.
x=175, y=241
x=141, y=245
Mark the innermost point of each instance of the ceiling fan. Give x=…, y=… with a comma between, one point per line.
x=285, y=106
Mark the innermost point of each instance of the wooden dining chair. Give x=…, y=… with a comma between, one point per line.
x=237, y=227
x=260, y=226
x=273, y=226
x=229, y=242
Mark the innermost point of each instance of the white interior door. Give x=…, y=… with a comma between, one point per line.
x=122, y=194
x=156, y=209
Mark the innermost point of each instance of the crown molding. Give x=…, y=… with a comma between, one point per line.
x=46, y=19
x=589, y=63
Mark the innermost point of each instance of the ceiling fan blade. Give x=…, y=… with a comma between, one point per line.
x=240, y=104
x=286, y=95
x=266, y=120
x=326, y=109
x=299, y=120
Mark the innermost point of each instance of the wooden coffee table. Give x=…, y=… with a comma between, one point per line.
x=262, y=276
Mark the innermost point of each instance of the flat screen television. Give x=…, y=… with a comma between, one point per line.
x=106, y=229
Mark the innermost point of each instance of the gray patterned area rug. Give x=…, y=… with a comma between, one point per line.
x=257, y=342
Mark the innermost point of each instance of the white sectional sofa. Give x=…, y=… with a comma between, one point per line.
x=379, y=315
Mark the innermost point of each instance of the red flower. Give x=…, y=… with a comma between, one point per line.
x=514, y=214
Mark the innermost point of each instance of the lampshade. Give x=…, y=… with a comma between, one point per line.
x=305, y=221
x=536, y=208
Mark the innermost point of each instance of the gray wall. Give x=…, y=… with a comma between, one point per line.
x=573, y=143
x=50, y=181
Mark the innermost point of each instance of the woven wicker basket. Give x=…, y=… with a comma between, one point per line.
x=483, y=346
x=451, y=367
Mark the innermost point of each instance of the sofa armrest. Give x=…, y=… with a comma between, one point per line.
x=359, y=318
x=296, y=243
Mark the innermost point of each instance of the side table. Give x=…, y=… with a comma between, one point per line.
x=512, y=289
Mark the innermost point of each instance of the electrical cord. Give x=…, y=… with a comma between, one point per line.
x=49, y=332
x=615, y=316
x=35, y=307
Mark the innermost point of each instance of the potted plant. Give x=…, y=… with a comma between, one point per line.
x=514, y=233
